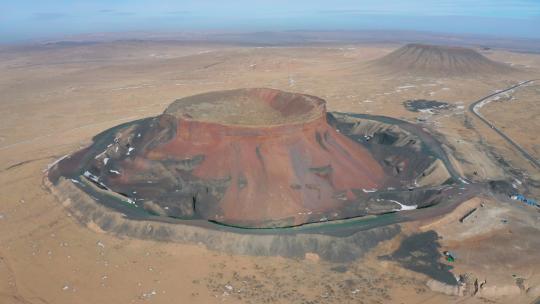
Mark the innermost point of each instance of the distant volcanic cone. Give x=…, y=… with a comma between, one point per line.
x=437, y=60
x=248, y=157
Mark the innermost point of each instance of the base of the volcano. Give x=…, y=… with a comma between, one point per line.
x=185, y=167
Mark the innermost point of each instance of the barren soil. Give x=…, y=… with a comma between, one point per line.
x=55, y=98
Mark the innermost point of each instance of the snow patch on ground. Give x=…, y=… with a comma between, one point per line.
x=369, y=190
x=404, y=207
x=57, y=161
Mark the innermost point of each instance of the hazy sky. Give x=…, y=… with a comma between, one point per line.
x=35, y=19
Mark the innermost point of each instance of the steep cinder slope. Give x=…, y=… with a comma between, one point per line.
x=255, y=158
x=250, y=157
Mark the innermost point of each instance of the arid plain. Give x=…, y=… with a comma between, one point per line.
x=56, y=97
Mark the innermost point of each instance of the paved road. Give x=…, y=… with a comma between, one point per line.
x=525, y=154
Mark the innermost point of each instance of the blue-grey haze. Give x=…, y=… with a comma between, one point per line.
x=37, y=19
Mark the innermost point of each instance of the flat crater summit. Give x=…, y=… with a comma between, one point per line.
x=256, y=107
x=438, y=60
x=255, y=158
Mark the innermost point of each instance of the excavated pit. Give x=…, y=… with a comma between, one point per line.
x=257, y=158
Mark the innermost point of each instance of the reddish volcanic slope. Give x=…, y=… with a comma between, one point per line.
x=247, y=157
x=281, y=164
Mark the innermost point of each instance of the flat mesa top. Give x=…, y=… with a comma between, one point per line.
x=249, y=107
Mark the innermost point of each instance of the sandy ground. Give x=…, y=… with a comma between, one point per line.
x=519, y=103
x=55, y=98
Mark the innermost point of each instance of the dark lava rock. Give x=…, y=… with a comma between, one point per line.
x=418, y=105
x=421, y=253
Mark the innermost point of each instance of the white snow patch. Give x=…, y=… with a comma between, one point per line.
x=407, y=86
x=91, y=176
x=100, y=154
x=94, y=178
x=56, y=161
x=291, y=81
x=75, y=181
x=429, y=111
x=463, y=181
x=148, y=295
x=404, y=207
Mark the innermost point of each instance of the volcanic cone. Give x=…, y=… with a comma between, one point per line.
x=254, y=158
x=436, y=60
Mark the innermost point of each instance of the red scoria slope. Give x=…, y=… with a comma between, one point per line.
x=247, y=157
x=287, y=165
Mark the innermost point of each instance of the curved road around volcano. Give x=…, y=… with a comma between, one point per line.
x=476, y=112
